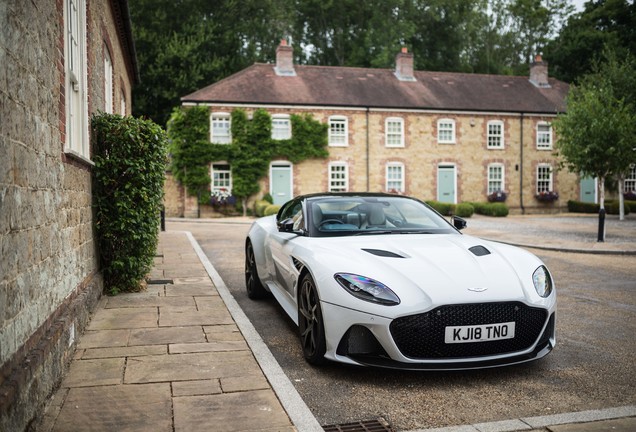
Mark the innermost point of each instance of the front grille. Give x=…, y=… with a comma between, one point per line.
x=422, y=336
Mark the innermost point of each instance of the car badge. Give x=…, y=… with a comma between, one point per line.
x=476, y=289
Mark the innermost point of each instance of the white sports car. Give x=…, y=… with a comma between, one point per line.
x=384, y=280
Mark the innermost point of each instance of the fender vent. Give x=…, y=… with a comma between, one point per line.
x=383, y=253
x=299, y=266
x=479, y=250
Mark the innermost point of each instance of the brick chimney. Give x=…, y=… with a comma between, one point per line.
x=539, y=72
x=284, y=60
x=404, y=65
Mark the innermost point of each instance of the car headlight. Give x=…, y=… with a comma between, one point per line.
x=542, y=281
x=367, y=289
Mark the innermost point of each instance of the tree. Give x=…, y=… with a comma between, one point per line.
x=597, y=135
x=610, y=23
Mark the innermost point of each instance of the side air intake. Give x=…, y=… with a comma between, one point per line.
x=479, y=250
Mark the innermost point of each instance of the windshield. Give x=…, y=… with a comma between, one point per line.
x=372, y=215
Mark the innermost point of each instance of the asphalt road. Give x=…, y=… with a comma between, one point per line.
x=592, y=366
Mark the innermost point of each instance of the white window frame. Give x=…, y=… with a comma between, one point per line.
x=492, y=177
x=122, y=103
x=390, y=135
x=390, y=181
x=221, y=178
x=221, y=118
x=281, y=127
x=108, y=82
x=629, y=185
x=445, y=126
x=544, y=138
x=75, y=79
x=338, y=131
x=491, y=136
x=338, y=177
x=545, y=178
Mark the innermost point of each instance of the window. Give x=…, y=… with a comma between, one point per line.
x=544, y=178
x=544, y=136
x=446, y=131
x=221, y=178
x=338, y=177
x=220, y=128
x=630, y=180
x=122, y=104
x=281, y=127
x=338, y=131
x=108, y=82
x=76, y=99
x=395, y=177
x=394, y=130
x=495, y=178
x=495, y=134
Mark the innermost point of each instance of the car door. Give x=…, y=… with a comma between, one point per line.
x=282, y=270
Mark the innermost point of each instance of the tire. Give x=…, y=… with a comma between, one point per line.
x=310, y=323
x=255, y=289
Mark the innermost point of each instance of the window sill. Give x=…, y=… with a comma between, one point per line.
x=79, y=157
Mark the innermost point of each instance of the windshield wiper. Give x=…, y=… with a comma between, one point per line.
x=375, y=232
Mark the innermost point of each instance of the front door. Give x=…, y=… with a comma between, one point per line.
x=588, y=190
x=281, y=183
x=446, y=184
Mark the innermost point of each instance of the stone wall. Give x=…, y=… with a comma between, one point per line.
x=49, y=271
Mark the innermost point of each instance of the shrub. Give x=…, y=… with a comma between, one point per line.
x=271, y=209
x=613, y=207
x=465, y=210
x=582, y=207
x=268, y=197
x=445, y=209
x=497, y=209
x=130, y=161
x=259, y=207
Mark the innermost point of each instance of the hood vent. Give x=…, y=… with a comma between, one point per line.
x=479, y=250
x=383, y=253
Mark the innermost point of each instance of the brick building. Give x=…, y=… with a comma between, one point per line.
x=443, y=136
x=60, y=62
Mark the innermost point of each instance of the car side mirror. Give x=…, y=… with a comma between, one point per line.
x=286, y=225
x=458, y=222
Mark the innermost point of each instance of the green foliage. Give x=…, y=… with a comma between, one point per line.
x=250, y=153
x=613, y=207
x=464, y=210
x=268, y=197
x=260, y=206
x=496, y=209
x=130, y=161
x=445, y=209
x=271, y=209
x=582, y=207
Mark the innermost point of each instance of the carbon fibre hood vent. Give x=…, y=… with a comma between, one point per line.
x=383, y=253
x=479, y=250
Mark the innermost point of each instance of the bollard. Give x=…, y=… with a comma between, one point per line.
x=601, y=225
x=163, y=218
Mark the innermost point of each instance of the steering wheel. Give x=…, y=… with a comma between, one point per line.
x=330, y=221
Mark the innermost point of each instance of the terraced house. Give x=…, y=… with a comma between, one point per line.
x=60, y=62
x=450, y=137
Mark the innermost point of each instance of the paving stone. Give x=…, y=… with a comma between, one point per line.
x=167, y=335
x=188, y=367
x=615, y=425
x=196, y=388
x=229, y=412
x=86, y=373
x=103, y=338
x=182, y=273
x=208, y=347
x=209, y=303
x=244, y=383
x=130, y=351
x=192, y=280
x=125, y=318
x=191, y=290
x=224, y=332
x=149, y=301
x=156, y=273
x=146, y=407
x=170, y=318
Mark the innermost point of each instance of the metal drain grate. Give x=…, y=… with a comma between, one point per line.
x=378, y=425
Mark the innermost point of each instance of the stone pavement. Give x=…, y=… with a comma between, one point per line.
x=168, y=359
x=172, y=358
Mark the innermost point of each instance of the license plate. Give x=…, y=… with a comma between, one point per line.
x=479, y=333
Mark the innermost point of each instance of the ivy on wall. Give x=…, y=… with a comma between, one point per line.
x=250, y=153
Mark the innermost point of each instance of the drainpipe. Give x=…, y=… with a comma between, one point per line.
x=523, y=210
x=368, y=163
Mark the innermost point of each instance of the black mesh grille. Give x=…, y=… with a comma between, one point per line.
x=422, y=336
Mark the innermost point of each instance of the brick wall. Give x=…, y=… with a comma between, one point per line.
x=49, y=272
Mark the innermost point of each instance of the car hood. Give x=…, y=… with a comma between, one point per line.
x=434, y=269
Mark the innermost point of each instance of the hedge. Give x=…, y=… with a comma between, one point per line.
x=271, y=210
x=611, y=207
x=130, y=159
